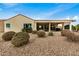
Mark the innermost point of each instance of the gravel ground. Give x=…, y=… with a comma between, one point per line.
x=49, y=46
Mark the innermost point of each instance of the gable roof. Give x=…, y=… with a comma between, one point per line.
x=35, y=20
x=19, y=15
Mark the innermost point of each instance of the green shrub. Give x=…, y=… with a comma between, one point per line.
x=41, y=33
x=34, y=31
x=77, y=27
x=7, y=36
x=73, y=28
x=20, y=38
x=50, y=33
x=23, y=30
x=26, y=30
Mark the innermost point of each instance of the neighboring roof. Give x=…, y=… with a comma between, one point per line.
x=1, y=20
x=33, y=19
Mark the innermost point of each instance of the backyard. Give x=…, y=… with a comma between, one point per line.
x=56, y=45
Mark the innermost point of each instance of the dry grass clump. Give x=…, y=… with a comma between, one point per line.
x=41, y=33
x=34, y=31
x=77, y=38
x=20, y=38
x=50, y=33
x=64, y=32
x=7, y=36
x=70, y=35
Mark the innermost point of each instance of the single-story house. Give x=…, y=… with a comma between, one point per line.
x=18, y=22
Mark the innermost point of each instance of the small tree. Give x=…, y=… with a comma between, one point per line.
x=77, y=27
x=73, y=27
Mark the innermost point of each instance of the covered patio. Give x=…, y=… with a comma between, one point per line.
x=52, y=25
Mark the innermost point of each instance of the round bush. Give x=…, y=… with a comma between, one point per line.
x=50, y=33
x=8, y=35
x=20, y=38
x=64, y=32
x=41, y=33
x=27, y=30
x=34, y=31
x=71, y=36
x=77, y=38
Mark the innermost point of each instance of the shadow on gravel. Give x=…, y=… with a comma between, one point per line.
x=32, y=41
x=70, y=41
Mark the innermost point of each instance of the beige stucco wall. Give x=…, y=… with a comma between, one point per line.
x=1, y=26
x=17, y=23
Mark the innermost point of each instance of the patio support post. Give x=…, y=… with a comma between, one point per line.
x=70, y=27
x=63, y=26
x=49, y=27
x=35, y=24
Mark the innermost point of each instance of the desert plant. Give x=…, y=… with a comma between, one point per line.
x=77, y=27
x=64, y=32
x=41, y=33
x=71, y=36
x=20, y=38
x=34, y=31
x=27, y=30
x=7, y=36
x=50, y=33
x=73, y=28
x=77, y=38
x=23, y=30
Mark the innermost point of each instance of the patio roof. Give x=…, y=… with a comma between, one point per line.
x=56, y=21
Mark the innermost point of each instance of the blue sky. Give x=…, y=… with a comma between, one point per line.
x=49, y=11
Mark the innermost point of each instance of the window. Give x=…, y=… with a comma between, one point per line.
x=27, y=26
x=8, y=25
x=66, y=26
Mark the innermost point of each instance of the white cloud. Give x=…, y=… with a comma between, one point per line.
x=68, y=17
x=76, y=17
x=36, y=17
x=77, y=20
x=10, y=4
